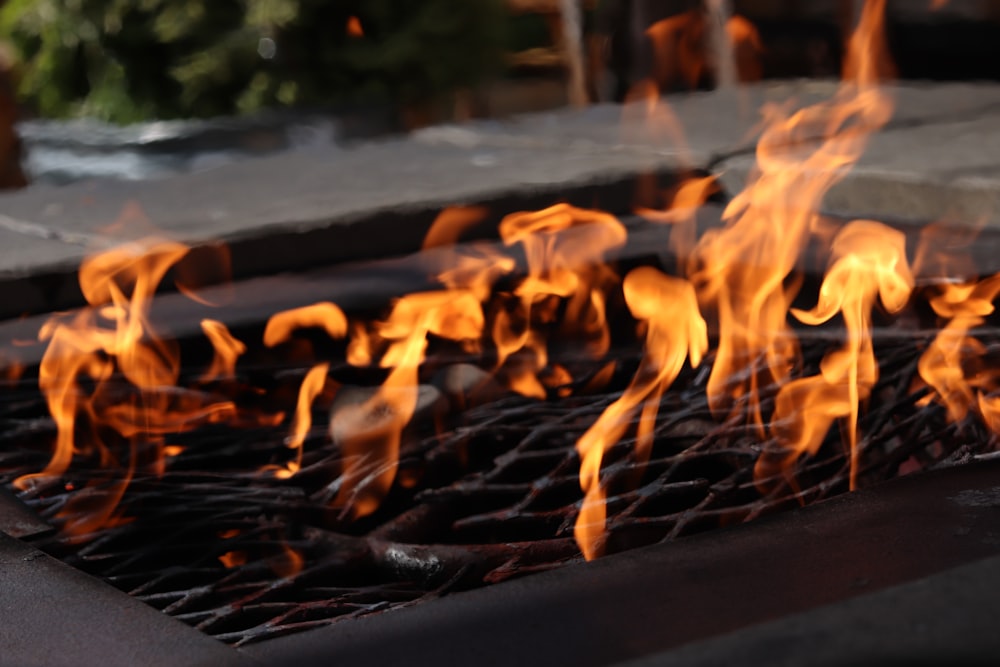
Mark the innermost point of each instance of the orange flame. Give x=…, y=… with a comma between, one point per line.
x=227, y=350
x=323, y=315
x=11, y=370
x=680, y=212
x=679, y=47
x=374, y=428
x=279, y=329
x=312, y=386
x=744, y=274
x=451, y=223
x=747, y=48
x=354, y=27
x=564, y=248
x=742, y=270
x=115, y=335
x=289, y=563
x=232, y=559
x=676, y=332
x=868, y=263
x=941, y=365
x=475, y=266
x=867, y=61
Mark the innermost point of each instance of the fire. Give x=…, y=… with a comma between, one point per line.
x=354, y=27
x=325, y=315
x=279, y=329
x=113, y=338
x=227, y=350
x=564, y=249
x=373, y=429
x=676, y=332
x=473, y=266
x=680, y=212
x=868, y=263
x=232, y=559
x=289, y=563
x=965, y=305
x=111, y=381
x=679, y=49
x=11, y=370
x=311, y=387
x=742, y=271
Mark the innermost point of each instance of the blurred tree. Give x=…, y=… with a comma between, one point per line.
x=126, y=60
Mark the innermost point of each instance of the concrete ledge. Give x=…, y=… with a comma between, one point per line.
x=938, y=159
x=324, y=206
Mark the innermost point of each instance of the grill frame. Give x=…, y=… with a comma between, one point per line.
x=390, y=553
x=431, y=548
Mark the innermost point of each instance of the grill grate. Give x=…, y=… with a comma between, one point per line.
x=491, y=498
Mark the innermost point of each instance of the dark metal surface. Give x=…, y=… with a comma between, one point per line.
x=649, y=600
x=56, y=616
x=945, y=619
x=17, y=520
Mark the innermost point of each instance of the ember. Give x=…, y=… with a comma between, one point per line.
x=498, y=424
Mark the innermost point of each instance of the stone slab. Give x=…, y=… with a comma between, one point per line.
x=56, y=616
x=327, y=205
x=938, y=159
x=24, y=248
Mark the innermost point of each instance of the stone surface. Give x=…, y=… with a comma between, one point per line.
x=937, y=159
x=322, y=206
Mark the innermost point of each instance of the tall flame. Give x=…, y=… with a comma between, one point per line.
x=675, y=332
x=114, y=336
x=742, y=269
x=941, y=365
x=311, y=387
x=868, y=263
x=279, y=329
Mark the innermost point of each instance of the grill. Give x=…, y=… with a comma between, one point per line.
x=246, y=557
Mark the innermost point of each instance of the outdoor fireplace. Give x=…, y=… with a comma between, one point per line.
x=578, y=385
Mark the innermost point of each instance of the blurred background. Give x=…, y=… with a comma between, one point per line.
x=144, y=88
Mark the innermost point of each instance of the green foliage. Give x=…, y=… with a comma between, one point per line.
x=126, y=60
